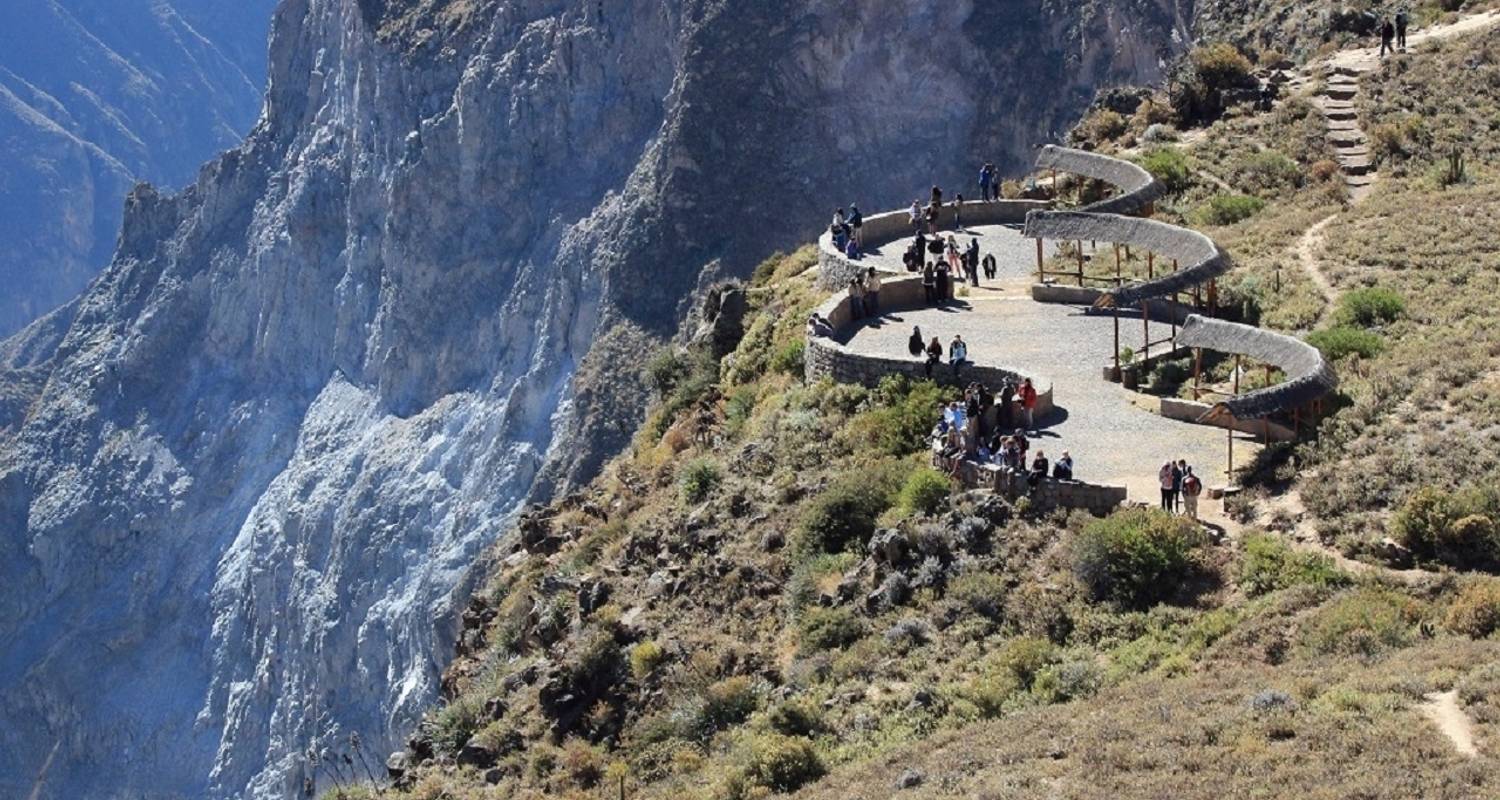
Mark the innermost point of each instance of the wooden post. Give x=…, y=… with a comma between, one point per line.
x=1146, y=326
x=1230, y=470
x=1150, y=264
x=1118, y=374
x=1080, y=263
x=1041, y=277
x=1197, y=372
x=1117, y=265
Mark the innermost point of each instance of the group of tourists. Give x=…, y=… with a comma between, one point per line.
x=979, y=428
x=848, y=232
x=940, y=260
x=1393, y=33
x=864, y=295
x=1180, y=488
x=958, y=352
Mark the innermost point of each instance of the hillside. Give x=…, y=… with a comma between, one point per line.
x=95, y=96
x=771, y=593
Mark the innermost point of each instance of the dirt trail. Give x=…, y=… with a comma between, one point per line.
x=1307, y=249
x=1445, y=712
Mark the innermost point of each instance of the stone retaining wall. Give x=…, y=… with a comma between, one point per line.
x=836, y=270
x=827, y=358
x=1049, y=494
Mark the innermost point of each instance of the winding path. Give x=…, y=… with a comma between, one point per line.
x=1443, y=710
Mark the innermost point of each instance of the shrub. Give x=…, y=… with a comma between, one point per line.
x=1271, y=564
x=1370, y=306
x=1227, y=209
x=982, y=592
x=697, y=479
x=665, y=370
x=454, y=723
x=924, y=491
x=728, y=702
x=1100, y=127
x=782, y=763
x=814, y=575
x=582, y=762
x=903, y=415
x=1221, y=66
x=1268, y=171
x=1024, y=658
x=796, y=718
x=645, y=658
x=1137, y=557
x=1324, y=169
x=843, y=516
x=828, y=629
x=1476, y=611
x=1340, y=342
x=1454, y=528
x=790, y=358
x=1170, y=166
x=1364, y=622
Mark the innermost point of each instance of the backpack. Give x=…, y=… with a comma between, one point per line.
x=1191, y=486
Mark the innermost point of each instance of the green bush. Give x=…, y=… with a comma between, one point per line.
x=1221, y=66
x=697, y=479
x=1227, y=209
x=1024, y=658
x=782, y=763
x=982, y=592
x=454, y=723
x=843, y=516
x=1170, y=166
x=1364, y=622
x=1476, y=611
x=790, y=358
x=1455, y=528
x=903, y=414
x=828, y=629
x=796, y=718
x=728, y=702
x=1340, y=342
x=1270, y=564
x=645, y=658
x=1370, y=306
x=1268, y=171
x=1137, y=557
x=924, y=491
x=803, y=588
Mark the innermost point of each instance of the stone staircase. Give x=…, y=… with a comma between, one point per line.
x=1337, y=101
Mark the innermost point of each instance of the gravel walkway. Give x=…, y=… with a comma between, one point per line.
x=1114, y=436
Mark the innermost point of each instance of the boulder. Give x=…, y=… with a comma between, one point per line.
x=910, y=779
x=397, y=765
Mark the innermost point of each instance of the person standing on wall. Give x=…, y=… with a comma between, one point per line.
x=857, y=223
x=986, y=179
x=856, y=299
x=872, y=293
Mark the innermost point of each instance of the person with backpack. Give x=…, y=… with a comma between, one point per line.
x=1387, y=37
x=915, y=345
x=1191, y=488
x=857, y=224
x=1403, y=19
x=986, y=178
x=971, y=262
x=934, y=354
x=915, y=217
x=944, y=282
x=929, y=284
x=989, y=266
x=1028, y=402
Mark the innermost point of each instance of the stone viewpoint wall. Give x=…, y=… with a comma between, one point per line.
x=1048, y=494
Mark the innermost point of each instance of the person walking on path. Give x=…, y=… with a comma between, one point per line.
x=857, y=224
x=944, y=282
x=986, y=179
x=915, y=345
x=934, y=354
x=856, y=299
x=989, y=266
x=958, y=355
x=958, y=211
x=916, y=218
x=1007, y=406
x=929, y=284
x=1387, y=36
x=1191, y=488
x=872, y=293
x=1166, y=476
x=1028, y=403
x=950, y=252
x=1403, y=19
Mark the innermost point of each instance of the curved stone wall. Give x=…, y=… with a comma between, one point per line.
x=829, y=358
x=836, y=270
x=1138, y=188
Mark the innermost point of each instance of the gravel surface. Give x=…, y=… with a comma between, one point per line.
x=1114, y=436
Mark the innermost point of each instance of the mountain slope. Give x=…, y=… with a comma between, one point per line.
x=244, y=479
x=96, y=95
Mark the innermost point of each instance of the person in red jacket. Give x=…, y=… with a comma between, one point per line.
x=1027, y=396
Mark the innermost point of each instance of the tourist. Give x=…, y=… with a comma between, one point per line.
x=915, y=345
x=958, y=211
x=937, y=197
x=1063, y=469
x=909, y=259
x=1182, y=466
x=856, y=299
x=972, y=257
x=818, y=326
x=929, y=284
x=1007, y=406
x=1191, y=488
x=1402, y=20
x=989, y=266
x=851, y=249
x=986, y=179
x=872, y=293
x=1028, y=403
x=1168, y=477
x=1039, y=467
x=916, y=217
x=840, y=239
x=934, y=211
x=934, y=354
x=1387, y=36
x=958, y=355
x=856, y=224
x=838, y=217
x=944, y=282
x=950, y=253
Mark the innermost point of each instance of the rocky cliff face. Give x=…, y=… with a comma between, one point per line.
x=96, y=95
x=244, y=479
